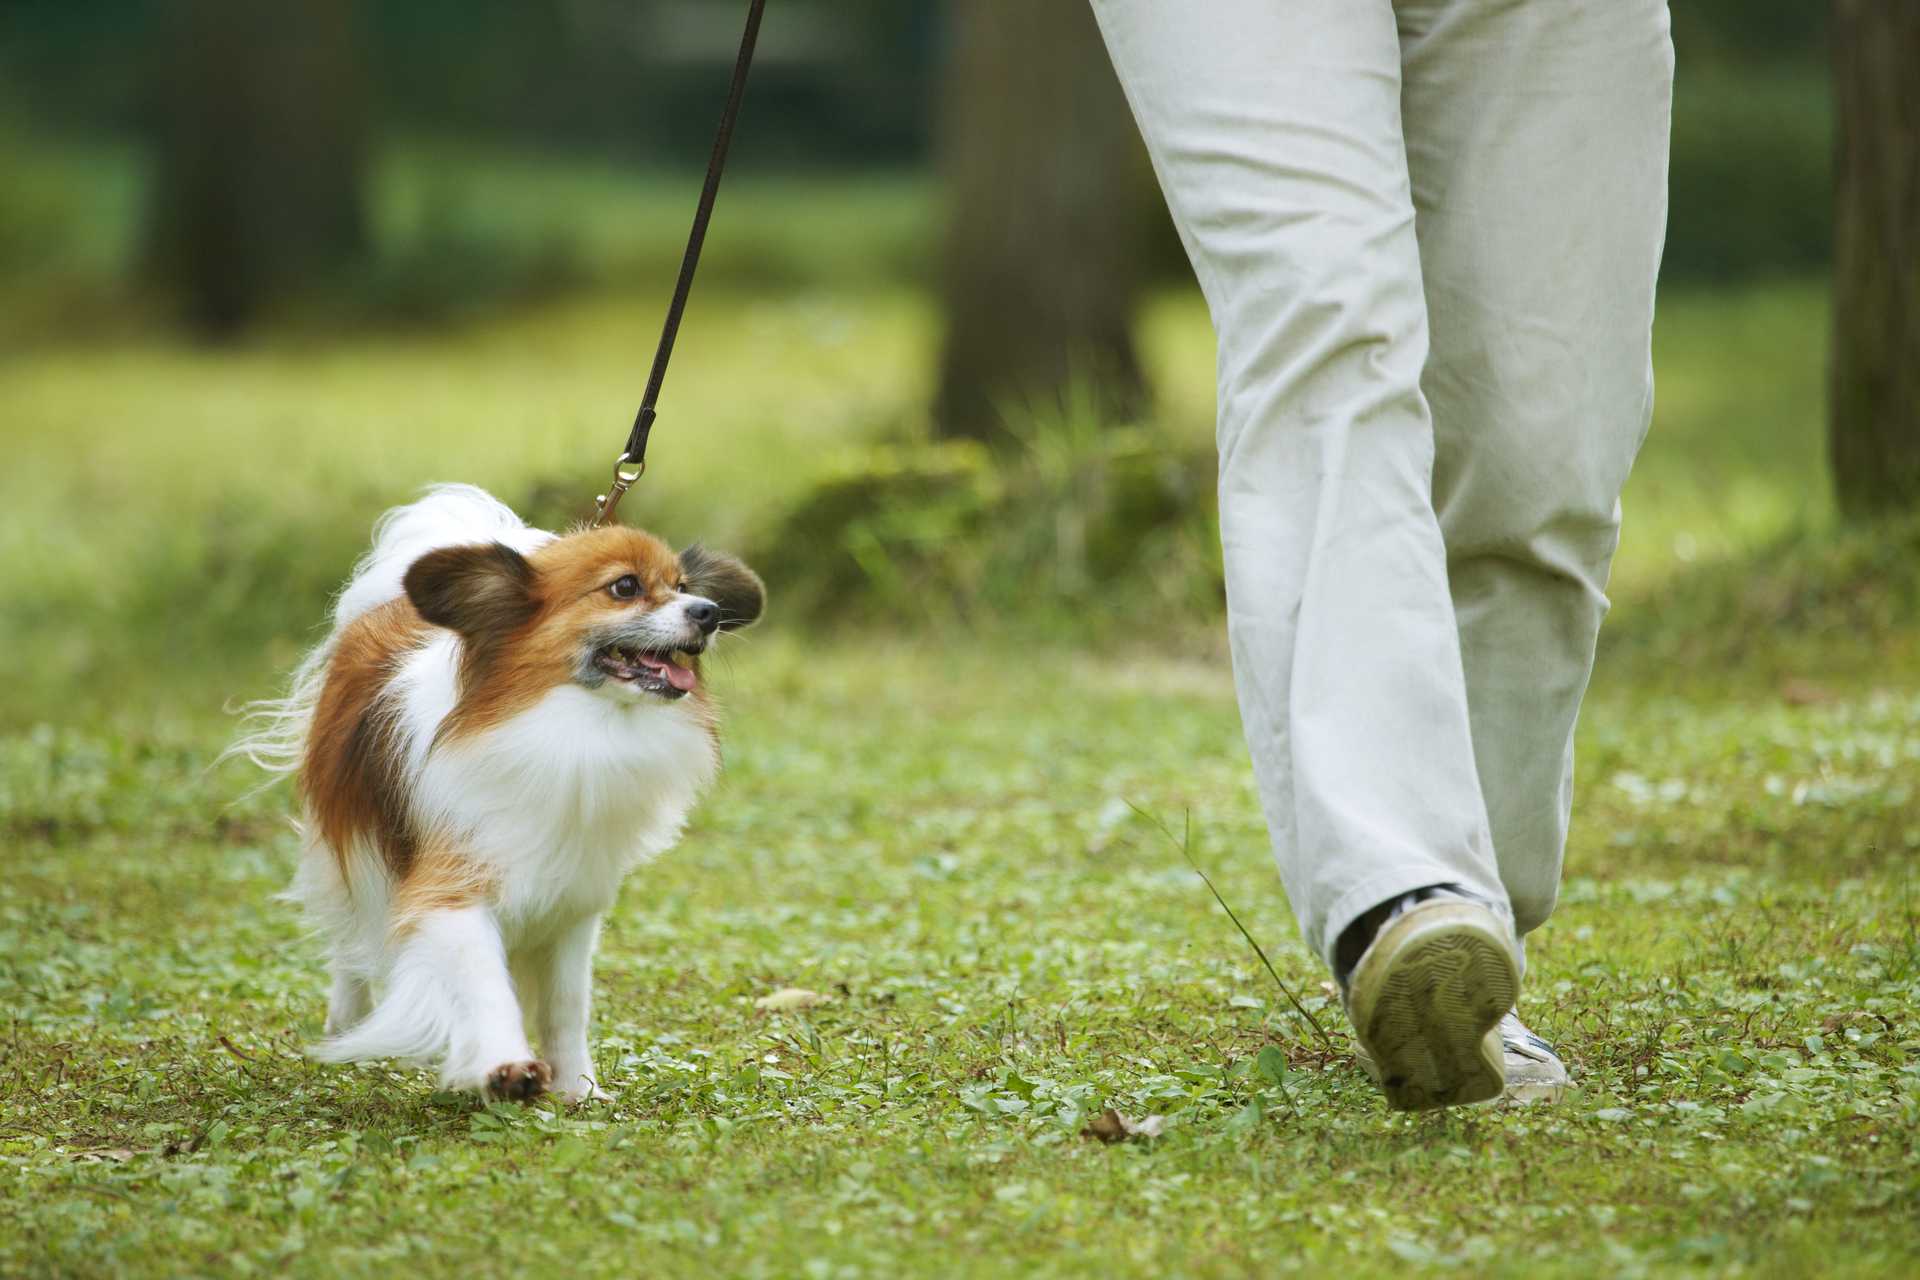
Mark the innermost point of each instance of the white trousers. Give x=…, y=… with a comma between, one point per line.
x=1428, y=233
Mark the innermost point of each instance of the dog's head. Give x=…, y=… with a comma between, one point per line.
x=614, y=610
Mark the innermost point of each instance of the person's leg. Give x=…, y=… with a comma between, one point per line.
x=1275, y=130
x=1537, y=140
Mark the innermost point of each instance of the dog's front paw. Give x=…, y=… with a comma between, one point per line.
x=519, y=1081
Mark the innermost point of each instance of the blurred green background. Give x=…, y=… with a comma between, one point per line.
x=241, y=313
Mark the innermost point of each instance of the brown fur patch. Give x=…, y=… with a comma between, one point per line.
x=439, y=879
x=570, y=599
x=352, y=781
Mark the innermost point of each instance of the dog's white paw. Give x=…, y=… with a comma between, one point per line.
x=581, y=1088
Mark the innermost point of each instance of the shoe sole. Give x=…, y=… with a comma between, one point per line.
x=1530, y=1093
x=1426, y=1001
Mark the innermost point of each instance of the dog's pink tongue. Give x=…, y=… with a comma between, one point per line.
x=681, y=678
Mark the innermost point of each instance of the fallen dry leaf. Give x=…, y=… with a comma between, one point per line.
x=790, y=998
x=1840, y=1021
x=1111, y=1126
x=115, y=1155
x=1805, y=693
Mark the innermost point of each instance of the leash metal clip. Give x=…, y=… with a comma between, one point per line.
x=623, y=480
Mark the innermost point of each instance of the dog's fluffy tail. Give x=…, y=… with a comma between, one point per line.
x=448, y=999
x=273, y=731
x=412, y=1022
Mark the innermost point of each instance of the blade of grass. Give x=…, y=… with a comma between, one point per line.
x=1185, y=845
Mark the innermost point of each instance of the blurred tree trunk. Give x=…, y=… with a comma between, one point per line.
x=1875, y=426
x=262, y=153
x=1049, y=199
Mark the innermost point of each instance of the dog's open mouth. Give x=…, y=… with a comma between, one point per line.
x=667, y=672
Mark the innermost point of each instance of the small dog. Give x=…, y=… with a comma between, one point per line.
x=501, y=725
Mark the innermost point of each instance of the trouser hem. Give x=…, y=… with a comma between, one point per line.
x=1386, y=886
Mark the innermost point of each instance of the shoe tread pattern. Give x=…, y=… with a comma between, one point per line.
x=1428, y=1028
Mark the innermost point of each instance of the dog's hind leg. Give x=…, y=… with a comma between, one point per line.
x=448, y=993
x=350, y=1000
x=449, y=997
x=353, y=921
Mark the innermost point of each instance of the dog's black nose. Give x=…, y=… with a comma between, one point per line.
x=704, y=614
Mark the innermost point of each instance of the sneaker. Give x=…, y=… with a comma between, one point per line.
x=1534, y=1071
x=1428, y=997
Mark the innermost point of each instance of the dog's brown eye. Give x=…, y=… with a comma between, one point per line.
x=624, y=588
x=681, y=586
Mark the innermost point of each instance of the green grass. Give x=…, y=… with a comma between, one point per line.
x=934, y=830
x=941, y=842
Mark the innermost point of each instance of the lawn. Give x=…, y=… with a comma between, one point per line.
x=936, y=831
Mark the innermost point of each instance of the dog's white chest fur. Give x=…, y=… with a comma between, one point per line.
x=562, y=800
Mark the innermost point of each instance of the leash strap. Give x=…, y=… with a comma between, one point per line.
x=632, y=462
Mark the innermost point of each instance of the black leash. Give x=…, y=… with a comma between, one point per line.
x=632, y=462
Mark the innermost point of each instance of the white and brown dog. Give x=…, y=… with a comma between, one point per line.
x=500, y=726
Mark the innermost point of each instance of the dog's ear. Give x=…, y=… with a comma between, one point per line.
x=727, y=582
x=482, y=590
